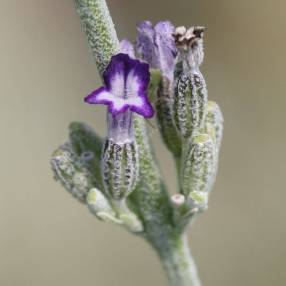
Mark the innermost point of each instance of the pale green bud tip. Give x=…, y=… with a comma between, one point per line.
x=198, y=201
x=100, y=206
x=108, y=217
x=132, y=222
x=92, y=197
x=199, y=197
x=201, y=139
x=212, y=105
x=97, y=202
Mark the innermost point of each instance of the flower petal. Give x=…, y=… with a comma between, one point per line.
x=156, y=45
x=118, y=106
x=116, y=73
x=102, y=96
x=99, y=96
x=145, y=41
x=141, y=105
x=137, y=80
x=127, y=48
x=125, y=76
x=166, y=47
x=127, y=83
x=117, y=84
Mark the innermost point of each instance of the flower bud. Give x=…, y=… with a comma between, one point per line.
x=119, y=168
x=131, y=222
x=198, y=165
x=190, y=103
x=71, y=172
x=100, y=206
x=156, y=45
x=190, y=98
x=87, y=145
x=125, y=92
x=97, y=202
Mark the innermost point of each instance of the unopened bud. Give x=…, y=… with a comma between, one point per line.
x=131, y=222
x=119, y=168
x=190, y=103
x=100, y=206
x=97, y=202
x=190, y=100
x=198, y=165
x=87, y=145
x=71, y=172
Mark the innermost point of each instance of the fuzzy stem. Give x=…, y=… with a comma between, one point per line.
x=178, y=262
x=99, y=29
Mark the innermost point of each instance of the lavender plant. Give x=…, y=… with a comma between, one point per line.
x=118, y=177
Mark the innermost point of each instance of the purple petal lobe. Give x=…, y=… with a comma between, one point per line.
x=126, y=81
x=142, y=107
x=99, y=96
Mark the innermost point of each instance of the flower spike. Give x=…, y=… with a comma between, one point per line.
x=126, y=84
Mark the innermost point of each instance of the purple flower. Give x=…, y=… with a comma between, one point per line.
x=156, y=45
x=126, y=84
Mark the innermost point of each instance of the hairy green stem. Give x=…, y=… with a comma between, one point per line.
x=150, y=199
x=99, y=29
x=178, y=262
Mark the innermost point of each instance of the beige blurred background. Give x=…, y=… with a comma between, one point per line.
x=48, y=238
